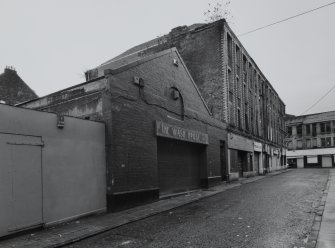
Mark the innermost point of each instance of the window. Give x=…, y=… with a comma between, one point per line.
x=231, y=96
x=229, y=47
x=299, y=130
x=250, y=75
x=252, y=120
x=238, y=60
x=290, y=146
x=254, y=77
x=328, y=141
x=322, y=127
x=246, y=117
x=325, y=127
x=308, y=130
x=299, y=143
x=308, y=143
x=245, y=92
x=289, y=131
x=314, y=143
x=244, y=69
x=314, y=129
x=328, y=130
x=239, y=118
x=230, y=81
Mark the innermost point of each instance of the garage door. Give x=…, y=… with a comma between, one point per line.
x=178, y=165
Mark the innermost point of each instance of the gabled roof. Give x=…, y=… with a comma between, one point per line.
x=125, y=63
x=117, y=66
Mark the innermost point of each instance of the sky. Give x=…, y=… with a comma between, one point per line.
x=51, y=43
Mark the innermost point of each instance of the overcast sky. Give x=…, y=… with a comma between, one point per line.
x=51, y=43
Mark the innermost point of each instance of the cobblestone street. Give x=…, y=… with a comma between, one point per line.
x=274, y=212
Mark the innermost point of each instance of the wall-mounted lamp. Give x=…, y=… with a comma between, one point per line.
x=138, y=81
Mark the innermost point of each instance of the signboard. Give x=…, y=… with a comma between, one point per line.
x=238, y=142
x=174, y=132
x=258, y=147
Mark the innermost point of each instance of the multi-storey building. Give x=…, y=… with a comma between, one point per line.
x=311, y=140
x=234, y=88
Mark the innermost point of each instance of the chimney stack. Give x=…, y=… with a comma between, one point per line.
x=10, y=69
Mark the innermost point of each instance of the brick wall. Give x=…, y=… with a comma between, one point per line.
x=130, y=112
x=249, y=104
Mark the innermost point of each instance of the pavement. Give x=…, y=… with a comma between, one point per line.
x=74, y=231
x=326, y=237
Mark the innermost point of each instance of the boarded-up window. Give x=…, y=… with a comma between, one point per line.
x=312, y=160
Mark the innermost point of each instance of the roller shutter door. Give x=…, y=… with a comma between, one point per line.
x=256, y=161
x=178, y=165
x=327, y=161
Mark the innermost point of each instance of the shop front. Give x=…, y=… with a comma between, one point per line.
x=241, y=162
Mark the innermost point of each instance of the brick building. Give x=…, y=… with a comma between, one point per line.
x=311, y=140
x=160, y=137
x=234, y=88
x=13, y=89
